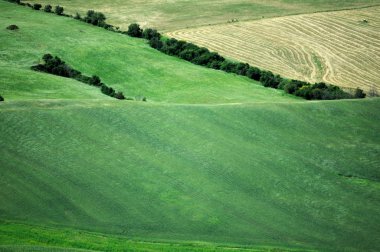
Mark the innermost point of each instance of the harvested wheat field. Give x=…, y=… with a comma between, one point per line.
x=170, y=15
x=341, y=47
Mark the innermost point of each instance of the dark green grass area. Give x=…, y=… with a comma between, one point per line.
x=259, y=174
x=126, y=64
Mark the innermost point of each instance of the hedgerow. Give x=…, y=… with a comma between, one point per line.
x=202, y=56
x=54, y=65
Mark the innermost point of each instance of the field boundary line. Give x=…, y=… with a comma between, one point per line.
x=273, y=17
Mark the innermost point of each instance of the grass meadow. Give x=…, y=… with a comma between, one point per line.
x=211, y=162
x=262, y=174
x=124, y=63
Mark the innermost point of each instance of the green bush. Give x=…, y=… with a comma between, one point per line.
x=150, y=34
x=268, y=79
x=37, y=6
x=95, y=18
x=119, y=95
x=77, y=16
x=292, y=86
x=359, y=93
x=47, y=8
x=253, y=73
x=156, y=43
x=228, y=66
x=107, y=90
x=241, y=68
x=12, y=27
x=134, y=30
x=95, y=81
x=58, y=10
x=56, y=66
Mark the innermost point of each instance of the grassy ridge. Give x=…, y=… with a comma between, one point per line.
x=179, y=14
x=124, y=63
x=249, y=174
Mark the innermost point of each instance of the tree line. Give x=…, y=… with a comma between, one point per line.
x=202, y=56
x=54, y=65
x=48, y=8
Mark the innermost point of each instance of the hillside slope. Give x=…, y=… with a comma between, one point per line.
x=249, y=167
x=122, y=62
x=334, y=47
x=302, y=174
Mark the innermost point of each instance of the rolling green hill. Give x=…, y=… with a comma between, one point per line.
x=124, y=63
x=263, y=174
x=238, y=166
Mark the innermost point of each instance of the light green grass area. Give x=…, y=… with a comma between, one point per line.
x=20, y=84
x=69, y=240
x=260, y=174
x=178, y=14
x=124, y=63
x=238, y=167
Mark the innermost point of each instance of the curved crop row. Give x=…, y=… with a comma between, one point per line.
x=341, y=48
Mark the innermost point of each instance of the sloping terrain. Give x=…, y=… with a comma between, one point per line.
x=239, y=165
x=340, y=47
x=301, y=174
x=124, y=63
x=171, y=15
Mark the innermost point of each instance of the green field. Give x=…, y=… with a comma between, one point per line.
x=263, y=174
x=212, y=162
x=178, y=14
x=126, y=64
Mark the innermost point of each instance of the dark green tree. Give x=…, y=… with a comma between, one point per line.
x=95, y=81
x=37, y=6
x=95, y=18
x=150, y=34
x=268, y=79
x=12, y=27
x=228, y=66
x=119, y=95
x=77, y=16
x=47, y=57
x=242, y=68
x=292, y=86
x=58, y=10
x=253, y=73
x=359, y=93
x=134, y=30
x=107, y=90
x=156, y=43
x=47, y=8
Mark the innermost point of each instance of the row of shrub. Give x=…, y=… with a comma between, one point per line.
x=202, y=56
x=54, y=65
x=48, y=8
